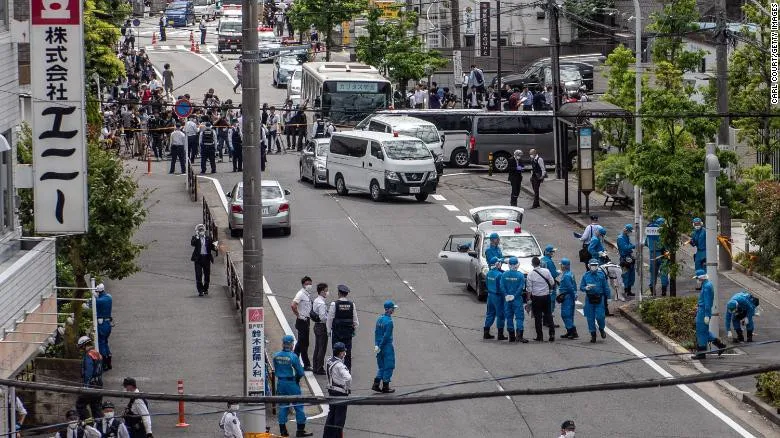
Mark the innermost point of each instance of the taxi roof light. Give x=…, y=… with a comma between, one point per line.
x=499, y=222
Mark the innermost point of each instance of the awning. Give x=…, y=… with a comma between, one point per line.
x=580, y=113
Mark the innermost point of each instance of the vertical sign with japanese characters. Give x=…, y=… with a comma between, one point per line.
x=255, y=352
x=58, y=121
x=484, y=28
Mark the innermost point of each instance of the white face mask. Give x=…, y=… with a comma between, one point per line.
x=73, y=425
x=697, y=227
x=108, y=415
x=593, y=268
x=233, y=408
x=569, y=434
x=308, y=288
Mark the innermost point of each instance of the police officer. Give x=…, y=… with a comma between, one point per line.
x=495, y=300
x=103, y=304
x=656, y=256
x=547, y=262
x=110, y=426
x=289, y=373
x=513, y=285
x=137, y=416
x=627, y=262
x=596, y=246
x=493, y=250
x=76, y=428
x=594, y=284
x=384, y=350
x=699, y=241
x=208, y=151
x=703, y=315
x=339, y=385
x=92, y=377
x=568, y=290
x=229, y=423
x=342, y=322
x=742, y=305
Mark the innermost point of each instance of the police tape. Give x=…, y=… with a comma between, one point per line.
x=172, y=128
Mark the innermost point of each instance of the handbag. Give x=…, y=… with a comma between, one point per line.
x=584, y=255
x=594, y=298
x=560, y=298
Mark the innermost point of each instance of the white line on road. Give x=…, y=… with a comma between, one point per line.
x=464, y=219
x=454, y=174
x=439, y=197
x=451, y=207
x=180, y=47
x=353, y=223
x=165, y=48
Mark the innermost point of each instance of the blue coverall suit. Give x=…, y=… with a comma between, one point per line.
x=594, y=312
x=513, y=284
x=289, y=372
x=653, y=243
x=626, y=249
x=493, y=251
x=103, y=305
x=745, y=309
x=595, y=247
x=383, y=338
x=568, y=289
x=699, y=240
x=547, y=262
x=704, y=309
x=495, y=301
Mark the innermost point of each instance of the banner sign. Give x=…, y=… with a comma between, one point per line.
x=484, y=29
x=255, y=352
x=58, y=120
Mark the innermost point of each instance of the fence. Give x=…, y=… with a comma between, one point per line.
x=234, y=284
x=192, y=183
x=771, y=158
x=208, y=221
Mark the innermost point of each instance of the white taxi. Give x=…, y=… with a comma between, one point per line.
x=463, y=256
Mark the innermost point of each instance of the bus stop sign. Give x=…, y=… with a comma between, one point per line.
x=183, y=108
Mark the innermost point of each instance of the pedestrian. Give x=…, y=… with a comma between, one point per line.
x=21, y=414
x=302, y=307
x=596, y=246
x=289, y=372
x=178, y=147
x=208, y=143
x=594, y=284
x=162, y=28
x=493, y=99
x=699, y=241
x=420, y=97
x=91, y=377
x=539, y=283
x=539, y=102
x=515, y=176
x=477, y=82
x=495, y=300
x=110, y=426
x=627, y=262
x=384, y=350
x=191, y=131
x=538, y=174
x=567, y=429
x=319, y=315
x=76, y=428
x=103, y=304
x=238, y=68
x=202, y=246
x=339, y=385
x=703, y=315
x=527, y=98
x=567, y=297
x=229, y=423
x=137, y=416
x=343, y=322
x=235, y=144
x=742, y=305
x=167, y=77
x=273, y=130
x=494, y=250
x=547, y=262
x=513, y=286
x=202, y=28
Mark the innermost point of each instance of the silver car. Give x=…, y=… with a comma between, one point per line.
x=276, y=208
x=313, y=161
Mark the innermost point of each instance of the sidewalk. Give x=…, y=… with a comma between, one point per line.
x=767, y=328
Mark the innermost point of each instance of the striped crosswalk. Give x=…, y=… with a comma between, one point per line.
x=178, y=47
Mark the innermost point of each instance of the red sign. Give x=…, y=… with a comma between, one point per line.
x=46, y=12
x=255, y=315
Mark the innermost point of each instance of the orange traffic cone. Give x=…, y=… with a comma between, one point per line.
x=197, y=48
x=154, y=38
x=192, y=37
x=192, y=46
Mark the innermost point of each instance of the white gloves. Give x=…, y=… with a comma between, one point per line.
x=602, y=253
x=729, y=334
x=509, y=298
x=216, y=244
x=588, y=287
x=706, y=319
x=376, y=349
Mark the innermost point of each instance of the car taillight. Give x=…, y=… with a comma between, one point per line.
x=284, y=207
x=472, y=143
x=235, y=208
x=499, y=221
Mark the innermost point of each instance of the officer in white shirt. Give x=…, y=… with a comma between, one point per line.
x=110, y=426
x=302, y=307
x=137, y=417
x=320, y=317
x=538, y=283
x=229, y=423
x=339, y=384
x=76, y=428
x=178, y=148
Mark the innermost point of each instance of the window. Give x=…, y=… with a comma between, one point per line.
x=499, y=125
x=338, y=147
x=270, y=192
x=446, y=122
x=6, y=188
x=703, y=65
x=535, y=125
x=356, y=147
x=376, y=150
x=376, y=126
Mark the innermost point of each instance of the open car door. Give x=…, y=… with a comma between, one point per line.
x=455, y=259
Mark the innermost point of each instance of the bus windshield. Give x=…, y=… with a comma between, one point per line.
x=348, y=102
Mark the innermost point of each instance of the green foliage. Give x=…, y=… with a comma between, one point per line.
x=768, y=386
x=101, y=35
x=610, y=167
x=621, y=92
x=738, y=195
x=674, y=317
x=24, y=145
x=324, y=15
x=763, y=225
x=677, y=18
x=588, y=8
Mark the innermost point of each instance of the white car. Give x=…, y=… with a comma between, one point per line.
x=463, y=255
x=205, y=10
x=294, y=84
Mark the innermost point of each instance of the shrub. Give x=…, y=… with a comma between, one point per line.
x=674, y=317
x=763, y=226
x=609, y=168
x=768, y=387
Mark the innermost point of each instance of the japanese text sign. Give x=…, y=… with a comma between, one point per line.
x=255, y=351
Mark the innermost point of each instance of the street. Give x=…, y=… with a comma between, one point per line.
x=389, y=250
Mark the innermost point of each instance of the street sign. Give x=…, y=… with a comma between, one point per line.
x=136, y=22
x=457, y=67
x=484, y=28
x=585, y=157
x=183, y=108
x=255, y=352
x=652, y=231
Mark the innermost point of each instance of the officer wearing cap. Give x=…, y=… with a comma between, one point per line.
x=493, y=250
x=594, y=284
x=103, y=306
x=495, y=300
x=567, y=297
x=208, y=151
x=627, y=262
x=547, y=262
x=339, y=385
x=567, y=429
x=110, y=426
x=513, y=286
x=703, y=315
x=76, y=428
x=342, y=322
x=384, y=350
x=289, y=372
x=699, y=241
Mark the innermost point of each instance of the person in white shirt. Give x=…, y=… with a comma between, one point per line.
x=339, y=385
x=76, y=428
x=191, y=130
x=110, y=426
x=538, y=283
x=273, y=130
x=586, y=236
x=137, y=417
x=302, y=307
x=320, y=317
x=420, y=97
x=229, y=423
x=178, y=147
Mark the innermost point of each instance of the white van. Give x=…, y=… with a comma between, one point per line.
x=381, y=164
x=413, y=127
x=205, y=10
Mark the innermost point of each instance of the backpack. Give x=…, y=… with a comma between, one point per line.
x=96, y=379
x=133, y=421
x=208, y=137
x=478, y=77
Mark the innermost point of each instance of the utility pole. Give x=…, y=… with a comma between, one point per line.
x=254, y=420
x=455, y=19
x=498, y=57
x=555, y=46
x=711, y=173
x=721, y=56
x=638, y=217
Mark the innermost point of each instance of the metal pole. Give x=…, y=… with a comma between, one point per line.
x=712, y=171
x=254, y=420
x=724, y=257
x=94, y=308
x=721, y=57
x=556, y=78
x=638, y=219
x=498, y=56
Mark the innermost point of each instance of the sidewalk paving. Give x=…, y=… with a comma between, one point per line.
x=767, y=327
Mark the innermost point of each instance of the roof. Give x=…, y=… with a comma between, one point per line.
x=400, y=119
x=264, y=183
x=579, y=113
x=350, y=71
x=371, y=135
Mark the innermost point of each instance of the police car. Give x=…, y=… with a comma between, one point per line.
x=463, y=256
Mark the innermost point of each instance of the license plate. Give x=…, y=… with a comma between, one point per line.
x=414, y=190
x=233, y=46
x=266, y=211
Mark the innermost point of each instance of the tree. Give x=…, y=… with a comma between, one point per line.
x=101, y=35
x=617, y=132
x=588, y=8
x=763, y=226
x=324, y=16
x=672, y=24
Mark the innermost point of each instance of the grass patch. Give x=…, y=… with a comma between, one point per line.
x=675, y=317
x=768, y=387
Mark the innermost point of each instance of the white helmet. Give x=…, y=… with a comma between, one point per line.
x=84, y=340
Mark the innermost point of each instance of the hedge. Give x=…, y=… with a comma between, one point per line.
x=768, y=387
x=673, y=316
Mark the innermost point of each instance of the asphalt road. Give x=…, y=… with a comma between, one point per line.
x=389, y=250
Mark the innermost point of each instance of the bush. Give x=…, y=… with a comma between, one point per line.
x=609, y=168
x=768, y=387
x=763, y=226
x=674, y=317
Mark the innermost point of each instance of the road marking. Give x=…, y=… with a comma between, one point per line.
x=439, y=197
x=451, y=207
x=353, y=223
x=455, y=174
x=165, y=48
x=464, y=219
x=180, y=47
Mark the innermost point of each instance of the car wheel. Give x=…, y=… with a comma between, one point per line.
x=459, y=158
x=501, y=162
x=480, y=290
x=376, y=193
x=341, y=187
x=287, y=231
x=234, y=232
x=421, y=197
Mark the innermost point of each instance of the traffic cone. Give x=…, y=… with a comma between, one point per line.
x=192, y=46
x=192, y=37
x=197, y=48
x=154, y=38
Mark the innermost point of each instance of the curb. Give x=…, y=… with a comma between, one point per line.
x=769, y=411
x=763, y=279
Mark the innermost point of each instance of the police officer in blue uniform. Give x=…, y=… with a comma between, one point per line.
x=289, y=373
x=493, y=250
x=384, y=350
x=495, y=300
x=513, y=286
x=568, y=290
x=703, y=315
x=596, y=246
x=699, y=241
x=656, y=257
x=742, y=305
x=594, y=284
x=103, y=305
x=627, y=262
x=547, y=262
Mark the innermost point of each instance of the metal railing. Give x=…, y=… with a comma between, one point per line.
x=234, y=284
x=208, y=221
x=192, y=183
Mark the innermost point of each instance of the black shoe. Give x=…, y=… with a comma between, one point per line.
x=699, y=353
x=750, y=335
x=512, y=337
x=567, y=334
x=574, y=334
x=283, y=430
x=206, y=292
x=307, y=368
x=302, y=431
x=603, y=333
x=539, y=339
x=520, y=337
x=721, y=346
x=386, y=388
x=107, y=363
x=487, y=335
x=740, y=338
x=376, y=387
x=501, y=336
x=592, y=337
x=320, y=372
x=200, y=294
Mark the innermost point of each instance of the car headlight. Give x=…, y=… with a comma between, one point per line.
x=437, y=158
x=392, y=175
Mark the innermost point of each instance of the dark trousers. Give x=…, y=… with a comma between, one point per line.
x=162, y=33
x=157, y=144
x=540, y=305
x=202, y=37
x=93, y=402
x=208, y=153
x=302, y=347
x=203, y=273
x=348, y=344
x=337, y=417
x=238, y=159
x=320, y=345
x=192, y=140
x=222, y=146
x=177, y=153
x=515, y=181
x=535, y=184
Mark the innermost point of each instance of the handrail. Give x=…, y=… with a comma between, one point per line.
x=211, y=228
x=192, y=183
x=234, y=284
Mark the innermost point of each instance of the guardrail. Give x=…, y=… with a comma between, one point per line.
x=192, y=182
x=234, y=284
x=208, y=221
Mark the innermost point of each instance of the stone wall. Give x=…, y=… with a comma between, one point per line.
x=48, y=407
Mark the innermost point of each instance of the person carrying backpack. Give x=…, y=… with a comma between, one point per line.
x=92, y=377
x=208, y=141
x=137, y=418
x=477, y=81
